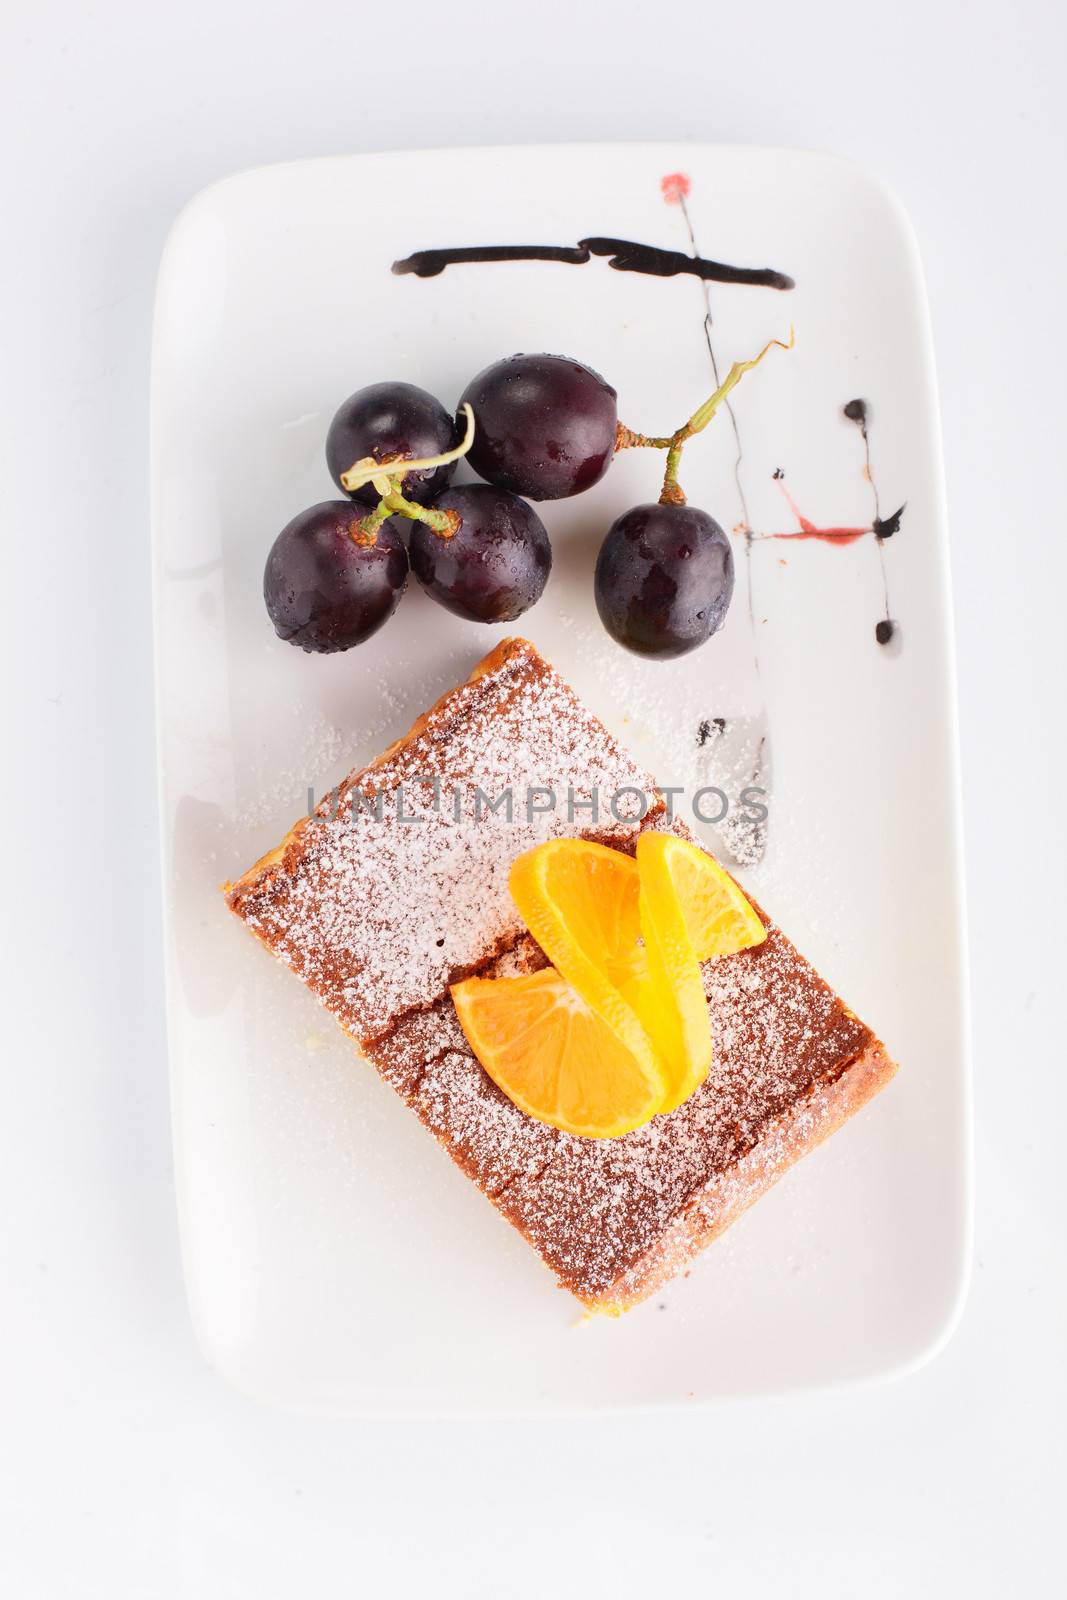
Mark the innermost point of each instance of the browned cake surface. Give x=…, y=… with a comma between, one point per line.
x=601, y=1211
x=379, y=916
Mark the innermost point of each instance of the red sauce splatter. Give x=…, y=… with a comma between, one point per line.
x=831, y=535
x=675, y=187
x=808, y=529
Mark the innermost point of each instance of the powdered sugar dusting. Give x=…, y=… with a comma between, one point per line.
x=594, y=1208
x=405, y=890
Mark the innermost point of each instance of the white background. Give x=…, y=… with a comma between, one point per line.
x=130, y=1469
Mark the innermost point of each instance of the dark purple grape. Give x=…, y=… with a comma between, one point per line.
x=494, y=566
x=389, y=421
x=323, y=590
x=544, y=426
x=664, y=578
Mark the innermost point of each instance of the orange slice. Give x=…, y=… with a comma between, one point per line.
x=580, y=902
x=691, y=910
x=719, y=918
x=671, y=1002
x=629, y=937
x=554, y=1056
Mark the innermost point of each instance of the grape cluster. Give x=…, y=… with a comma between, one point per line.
x=538, y=427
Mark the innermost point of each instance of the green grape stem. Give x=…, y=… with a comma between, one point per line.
x=365, y=529
x=392, y=503
x=627, y=439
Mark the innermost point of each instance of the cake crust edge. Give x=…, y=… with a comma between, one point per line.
x=721, y=1201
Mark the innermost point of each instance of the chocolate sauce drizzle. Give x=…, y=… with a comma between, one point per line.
x=883, y=528
x=624, y=255
x=431, y=263
x=649, y=258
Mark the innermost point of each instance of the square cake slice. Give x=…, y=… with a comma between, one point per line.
x=396, y=887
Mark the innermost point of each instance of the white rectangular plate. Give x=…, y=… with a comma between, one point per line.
x=336, y=1259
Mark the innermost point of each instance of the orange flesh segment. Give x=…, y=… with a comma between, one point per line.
x=580, y=902
x=719, y=918
x=671, y=1004
x=553, y=1056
